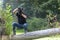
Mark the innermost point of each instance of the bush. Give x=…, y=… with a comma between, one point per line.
x=37, y=24
x=5, y=14
x=8, y=19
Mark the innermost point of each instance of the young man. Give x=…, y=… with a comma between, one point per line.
x=21, y=20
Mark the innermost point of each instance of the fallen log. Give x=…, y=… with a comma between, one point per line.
x=36, y=34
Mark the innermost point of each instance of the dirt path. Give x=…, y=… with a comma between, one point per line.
x=5, y=37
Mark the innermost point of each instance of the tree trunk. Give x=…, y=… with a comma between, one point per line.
x=36, y=34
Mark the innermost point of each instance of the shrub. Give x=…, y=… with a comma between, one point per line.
x=5, y=14
x=37, y=24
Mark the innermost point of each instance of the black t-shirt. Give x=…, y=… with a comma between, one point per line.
x=21, y=19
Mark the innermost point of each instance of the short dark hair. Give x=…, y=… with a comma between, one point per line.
x=19, y=10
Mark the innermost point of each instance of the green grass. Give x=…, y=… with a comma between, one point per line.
x=20, y=31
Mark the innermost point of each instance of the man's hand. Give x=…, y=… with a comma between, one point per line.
x=24, y=15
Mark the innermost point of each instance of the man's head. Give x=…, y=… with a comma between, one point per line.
x=18, y=10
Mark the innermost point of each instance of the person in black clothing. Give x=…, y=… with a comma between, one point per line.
x=21, y=20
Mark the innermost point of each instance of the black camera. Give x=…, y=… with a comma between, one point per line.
x=19, y=11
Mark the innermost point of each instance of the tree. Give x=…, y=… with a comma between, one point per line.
x=36, y=34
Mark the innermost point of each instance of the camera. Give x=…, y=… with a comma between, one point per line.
x=19, y=11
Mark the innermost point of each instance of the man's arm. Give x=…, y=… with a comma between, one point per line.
x=15, y=10
x=24, y=15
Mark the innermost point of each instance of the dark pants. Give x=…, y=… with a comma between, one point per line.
x=19, y=26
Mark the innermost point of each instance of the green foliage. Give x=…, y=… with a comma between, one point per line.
x=33, y=8
x=8, y=19
x=58, y=17
x=36, y=7
x=37, y=24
